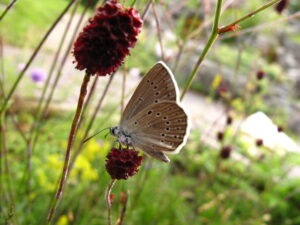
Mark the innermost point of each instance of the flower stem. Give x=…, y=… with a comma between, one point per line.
x=83, y=92
x=155, y=13
x=123, y=212
x=7, y=9
x=12, y=90
x=44, y=112
x=50, y=73
x=91, y=121
x=108, y=202
x=263, y=7
x=213, y=36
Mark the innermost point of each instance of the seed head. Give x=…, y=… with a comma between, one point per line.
x=122, y=163
x=225, y=152
x=104, y=43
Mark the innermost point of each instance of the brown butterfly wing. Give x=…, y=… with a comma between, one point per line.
x=157, y=85
x=159, y=128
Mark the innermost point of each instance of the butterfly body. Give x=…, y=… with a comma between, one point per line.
x=154, y=120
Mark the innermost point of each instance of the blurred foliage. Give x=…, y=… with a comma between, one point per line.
x=198, y=187
x=24, y=27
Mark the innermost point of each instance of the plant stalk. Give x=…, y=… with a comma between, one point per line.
x=212, y=38
x=263, y=7
x=108, y=201
x=12, y=90
x=83, y=92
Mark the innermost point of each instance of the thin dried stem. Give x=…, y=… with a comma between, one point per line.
x=261, y=26
x=50, y=73
x=124, y=208
x=214, y=35
x=34, y=131
x=83, y=92
x=158, y=30
x=88, y=100
x=92, y=120
x=145, y=13
x=19, y=129
x=8, y=7
x=59, y=73
x=4, y=166
x=2, y=77
x=21, y=75
x=263, y=7
x=108, y=201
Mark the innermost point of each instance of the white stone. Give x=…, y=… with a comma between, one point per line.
x=260, y=126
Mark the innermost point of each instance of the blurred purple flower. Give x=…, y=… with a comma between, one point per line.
x=37, y=75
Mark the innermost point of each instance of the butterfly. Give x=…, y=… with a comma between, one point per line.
x=154, y=120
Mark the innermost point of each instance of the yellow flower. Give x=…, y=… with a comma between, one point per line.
x=84, y=169
x=216, y=82
x=63, y=220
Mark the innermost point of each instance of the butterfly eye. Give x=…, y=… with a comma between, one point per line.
x=158, y=114
x=157, y=93
x=151, y=83
x=155, y=87
x=168, y=122
x=168, y=128
x=135, y=123
x=163, y=135
x=150, y=112
x=156, y=101
x=165, y=117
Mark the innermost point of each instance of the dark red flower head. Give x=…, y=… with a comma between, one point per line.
x=260, y=74
x=281, y=6
x=225, y=152
x=259, y=142
x=122, y=163
x=220, y=136
x=103, y=44
x=280, y=128
x=229, y=120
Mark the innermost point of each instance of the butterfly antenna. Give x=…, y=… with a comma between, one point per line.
x=95, y=135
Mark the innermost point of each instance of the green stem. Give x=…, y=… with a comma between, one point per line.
x=44, y=112
x=263, y=7
x=212, y=38
x=133, y=3
x=12, y=90
x=46, y=86
x=7, y=9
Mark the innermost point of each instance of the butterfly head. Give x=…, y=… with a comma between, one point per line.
x=123, y=138
x=115, y=131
